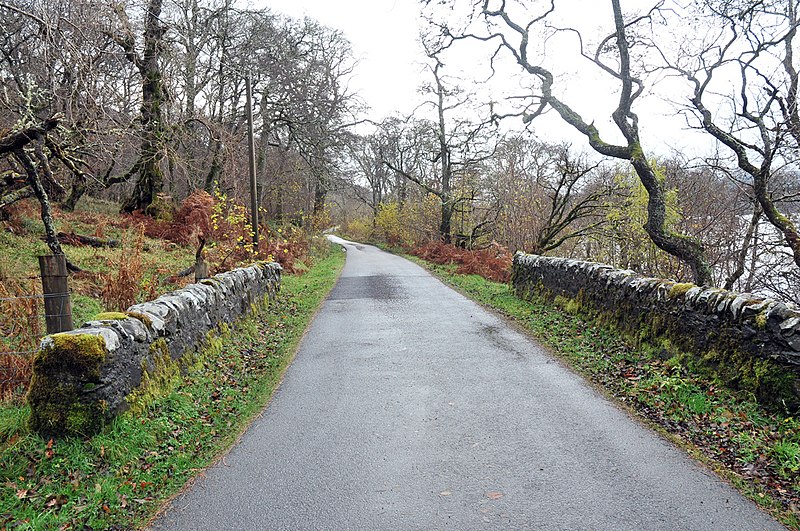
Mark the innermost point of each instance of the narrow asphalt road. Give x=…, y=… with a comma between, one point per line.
x=410, y=407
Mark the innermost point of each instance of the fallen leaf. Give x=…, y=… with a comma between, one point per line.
x=55, y=501
x=494, y=495
x=445, y=493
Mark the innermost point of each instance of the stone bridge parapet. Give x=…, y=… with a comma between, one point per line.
x=83, y=378
x=749, y=342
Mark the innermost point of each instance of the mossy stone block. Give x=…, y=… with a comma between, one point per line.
x=61, y=370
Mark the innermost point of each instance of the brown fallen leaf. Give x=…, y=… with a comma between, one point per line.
x=55, y=501
x=494, y=495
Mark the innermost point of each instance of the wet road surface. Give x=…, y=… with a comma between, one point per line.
x=410, y=407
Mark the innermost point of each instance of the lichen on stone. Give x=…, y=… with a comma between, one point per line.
x=110, y=316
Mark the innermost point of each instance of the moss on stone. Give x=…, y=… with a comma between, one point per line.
x=679, y=290
x=76, y=354
x=141, y=317
x=573, y=307
x=60, y=373
x=772, y=385
x=110, y=316
x=733, y=362
x=761, y=320
x=158, y=380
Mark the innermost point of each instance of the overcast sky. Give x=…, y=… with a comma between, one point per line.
x=384, y=35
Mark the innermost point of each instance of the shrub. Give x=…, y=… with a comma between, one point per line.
x=20, y=328
x=493, y=263
x=121, y=286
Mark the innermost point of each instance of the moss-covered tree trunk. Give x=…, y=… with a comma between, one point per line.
x=151, y=178
x=446, y=223
x=781, y=222
x=686, y=249
x=35, y=182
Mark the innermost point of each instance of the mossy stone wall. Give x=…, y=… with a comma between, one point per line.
x=747, y=342
x=81, y=379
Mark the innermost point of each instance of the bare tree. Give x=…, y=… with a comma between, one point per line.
x=513, y=34
x=460, y=144
x=750, y=45
x=549, y=194
x=33, y=165
x=151, y=97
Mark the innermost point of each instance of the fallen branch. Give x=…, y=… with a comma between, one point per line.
x=184, y=273
x=80, y=240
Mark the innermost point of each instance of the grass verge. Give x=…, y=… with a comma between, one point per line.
x=756, y=451
x=119, y=479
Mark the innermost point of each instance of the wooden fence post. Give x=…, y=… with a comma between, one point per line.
x=57, y=305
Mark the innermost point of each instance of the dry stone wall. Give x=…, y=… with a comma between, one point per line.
x=81, y=379
x=749, y=342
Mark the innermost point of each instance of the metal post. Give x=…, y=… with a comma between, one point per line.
x=252, y=160
x=57, y=305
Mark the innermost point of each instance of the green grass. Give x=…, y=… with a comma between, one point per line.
x=728, y=431
x=121, y=477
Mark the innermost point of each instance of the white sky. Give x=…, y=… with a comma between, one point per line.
x=384, y=36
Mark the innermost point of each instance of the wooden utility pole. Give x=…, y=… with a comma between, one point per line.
x=252, y=160
x=57, y=305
